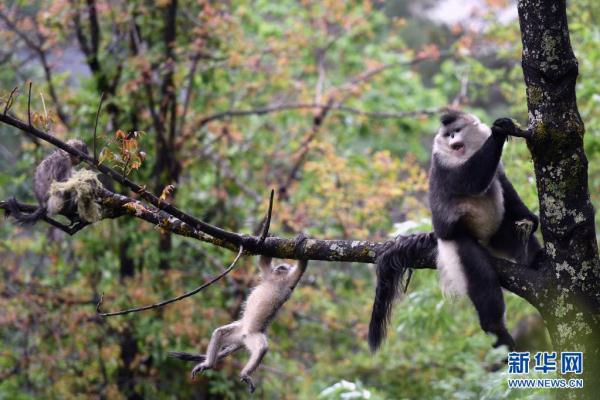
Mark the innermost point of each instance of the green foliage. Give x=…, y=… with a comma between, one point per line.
x=352, y=176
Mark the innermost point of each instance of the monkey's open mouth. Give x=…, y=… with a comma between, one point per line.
x=458, y=147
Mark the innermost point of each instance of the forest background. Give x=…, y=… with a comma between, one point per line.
x=334, y=105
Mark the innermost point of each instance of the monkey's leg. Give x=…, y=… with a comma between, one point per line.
x=257, y=345
x=484, y=289
x=222, y=336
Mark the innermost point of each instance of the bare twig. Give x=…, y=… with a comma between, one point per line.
x=45, y=111
x=305, y=147
x=29, y=105
x=178, y=298
x=96, y=128
x=265, y=230
x=9, y=101
x=308, y=106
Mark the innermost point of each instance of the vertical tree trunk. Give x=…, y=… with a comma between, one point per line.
x=570, y=300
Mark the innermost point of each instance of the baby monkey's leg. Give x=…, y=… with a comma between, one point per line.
x=222, y=336
x=257, y=345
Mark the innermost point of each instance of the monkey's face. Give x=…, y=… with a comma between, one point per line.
x=459, y=137
x=79, y=145
x=281, y=270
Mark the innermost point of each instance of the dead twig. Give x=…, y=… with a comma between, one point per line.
x=267, y=224
x=10, y=100
x=165, y=302
x=29, y=105
x=96, y=128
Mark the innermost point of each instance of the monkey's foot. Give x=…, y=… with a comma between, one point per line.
x=199, y=368
x=504, y=339
x=248, y=381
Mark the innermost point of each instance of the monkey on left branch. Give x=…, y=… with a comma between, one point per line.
x=56, y=167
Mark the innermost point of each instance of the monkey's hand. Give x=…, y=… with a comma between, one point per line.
x=199, y=368
x=507, y=126
x=525, y=229
x=248, y=381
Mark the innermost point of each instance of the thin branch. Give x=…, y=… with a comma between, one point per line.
x=96, y=128
x=178, y=298
x=188, y=92
x=364, y=76
x=29, y=105
x=10, y=100
x=309, y=106
x=305, y=147
x=13, y=27
x=267, y=224
x=45, y=111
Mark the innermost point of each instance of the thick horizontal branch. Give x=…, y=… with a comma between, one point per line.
x=419, y=250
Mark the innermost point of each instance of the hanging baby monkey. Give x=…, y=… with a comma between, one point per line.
x=276, y=285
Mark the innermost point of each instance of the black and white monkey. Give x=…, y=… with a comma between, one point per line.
x=57, y=166
x=277, y=283
x=476, y=214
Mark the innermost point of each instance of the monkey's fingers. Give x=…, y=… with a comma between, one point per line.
x=248, y=381
x=199, y=368
x=509, y=127
x=525, y=228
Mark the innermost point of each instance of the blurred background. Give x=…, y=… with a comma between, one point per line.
x=334, y=105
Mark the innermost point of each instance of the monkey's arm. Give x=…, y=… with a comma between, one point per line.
x=264, y=262
x=514, y=207
x=476, y=174
x=297, y=273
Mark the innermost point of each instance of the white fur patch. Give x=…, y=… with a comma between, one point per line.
x=483, y=214
x=55, y=204
x=453, y=281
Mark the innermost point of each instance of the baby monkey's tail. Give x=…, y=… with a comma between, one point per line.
x=187, y=356
x=23, y=218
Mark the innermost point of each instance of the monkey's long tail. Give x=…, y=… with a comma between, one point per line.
x=224, y=352
x=187, y=356
x=23, y=218
x=392, y=267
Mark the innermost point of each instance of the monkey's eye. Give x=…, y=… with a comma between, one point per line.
x=457, y=130
x=446, y=134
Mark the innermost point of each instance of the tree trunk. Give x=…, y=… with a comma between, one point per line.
x=569, y=298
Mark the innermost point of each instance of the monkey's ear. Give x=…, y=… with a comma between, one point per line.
x=264, y=261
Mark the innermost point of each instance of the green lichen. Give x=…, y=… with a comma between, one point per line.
x=534, y=94
x=562, y=306
x=549, y=43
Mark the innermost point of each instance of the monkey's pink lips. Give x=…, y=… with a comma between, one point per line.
x=458, y=148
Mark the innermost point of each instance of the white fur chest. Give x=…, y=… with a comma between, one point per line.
x=483, y=214
x=263, y=301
